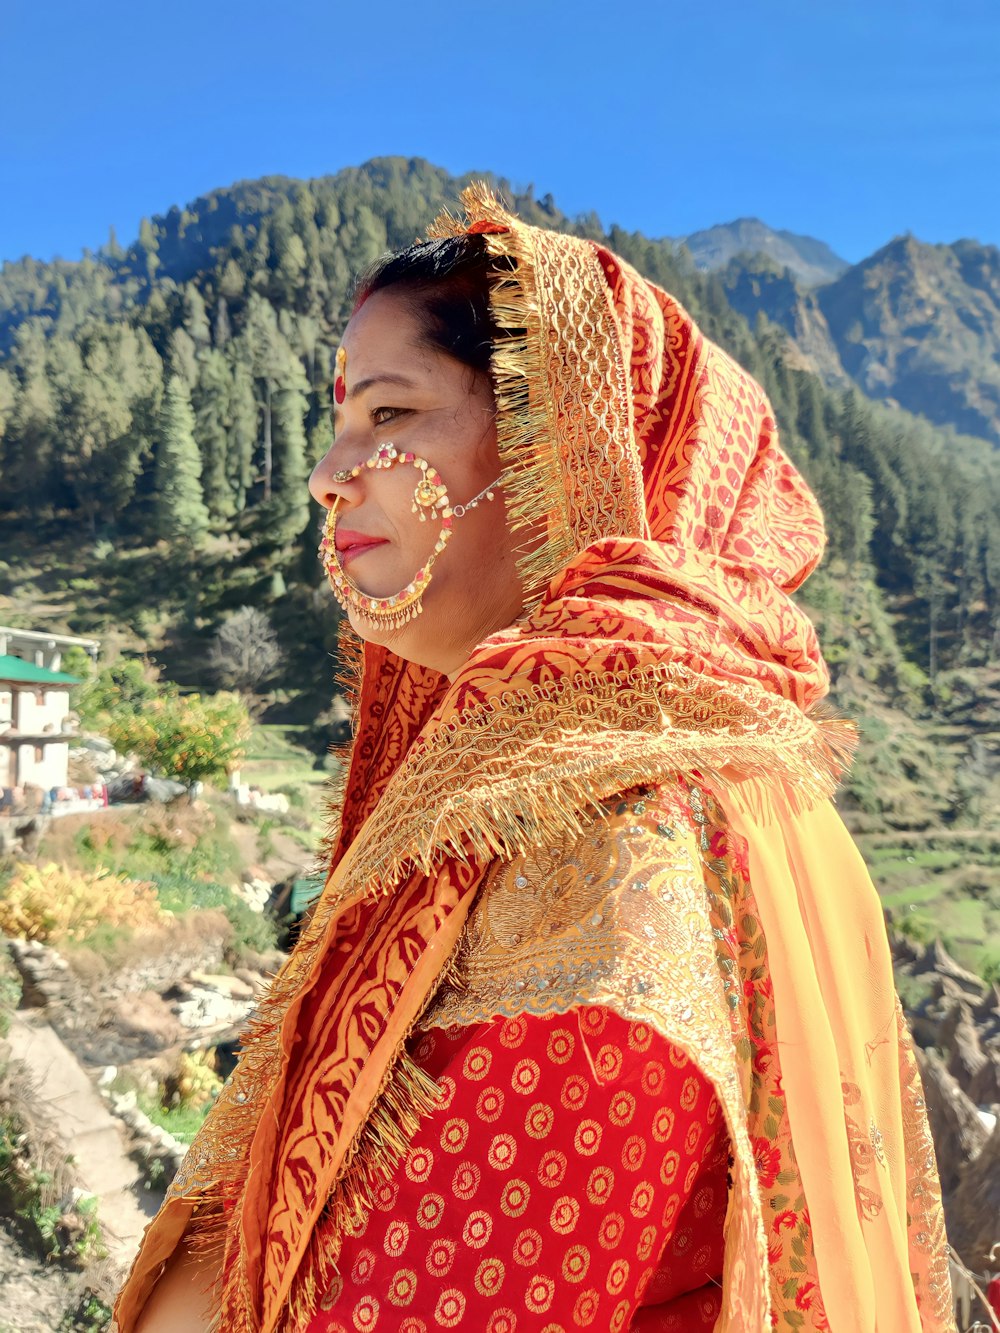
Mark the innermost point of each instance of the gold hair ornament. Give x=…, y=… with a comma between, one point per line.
x=430, y=497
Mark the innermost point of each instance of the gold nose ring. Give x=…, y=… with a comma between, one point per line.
x=346, y=474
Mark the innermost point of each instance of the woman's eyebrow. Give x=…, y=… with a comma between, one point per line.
x=386, y=378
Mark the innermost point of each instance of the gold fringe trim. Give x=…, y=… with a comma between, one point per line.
x=405, y=1096
x=519, y=770
x=531, y=470
x=348, y=678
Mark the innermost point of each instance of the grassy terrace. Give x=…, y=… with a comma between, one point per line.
x=945, y=884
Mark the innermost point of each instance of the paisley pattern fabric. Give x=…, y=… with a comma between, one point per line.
x=658, y=641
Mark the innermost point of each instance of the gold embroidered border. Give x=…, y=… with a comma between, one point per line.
x=617, y=916
x=564, y=423
x=923, y=1188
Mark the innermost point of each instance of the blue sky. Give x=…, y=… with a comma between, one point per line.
x=851, y=121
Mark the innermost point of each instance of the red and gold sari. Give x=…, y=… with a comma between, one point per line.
x=608, y=841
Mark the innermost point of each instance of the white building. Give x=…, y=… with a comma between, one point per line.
x=34, y=703
x=45, y=650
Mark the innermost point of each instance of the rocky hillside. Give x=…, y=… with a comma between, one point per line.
x=921, y=324
x=916, y=325
x=758, y=284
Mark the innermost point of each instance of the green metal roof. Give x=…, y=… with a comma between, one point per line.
x=13, y=668
x=304, y=892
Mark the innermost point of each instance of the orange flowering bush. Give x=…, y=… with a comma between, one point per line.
x=59, y=906
x=184, y=736
x=197, y=1083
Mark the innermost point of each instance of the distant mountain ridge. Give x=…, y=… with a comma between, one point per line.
x=914, y=324
x=812, y=261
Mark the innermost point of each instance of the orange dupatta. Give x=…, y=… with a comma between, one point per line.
x=660, y=639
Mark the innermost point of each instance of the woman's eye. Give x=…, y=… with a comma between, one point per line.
x=380, y=415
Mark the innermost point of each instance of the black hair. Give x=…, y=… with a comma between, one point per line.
x=447, y=283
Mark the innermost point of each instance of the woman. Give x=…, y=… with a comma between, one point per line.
x=594, y=1025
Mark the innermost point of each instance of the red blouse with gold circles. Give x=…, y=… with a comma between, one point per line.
x=575, y=1177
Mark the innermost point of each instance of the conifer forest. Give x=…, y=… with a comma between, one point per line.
x=161, y=406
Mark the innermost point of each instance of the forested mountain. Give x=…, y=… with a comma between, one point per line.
x=169, y=399
x=812, y=262
x=914, y=324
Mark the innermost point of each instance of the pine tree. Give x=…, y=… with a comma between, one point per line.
x=211, y=401
x=231, y=283
x=242, y=427
x=269, y=358
x=196, y=316
x=112, y=250
x=223, y=330
x=31, y=433
x=100, y=458
x=289, y=508
x=182, y=357
x=148, y=246
x=179, y=509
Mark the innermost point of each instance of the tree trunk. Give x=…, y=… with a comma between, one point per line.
x=268, y=462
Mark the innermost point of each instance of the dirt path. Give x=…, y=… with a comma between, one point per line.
x=92, y=1134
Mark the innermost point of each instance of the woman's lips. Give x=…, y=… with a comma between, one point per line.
x=351, y=544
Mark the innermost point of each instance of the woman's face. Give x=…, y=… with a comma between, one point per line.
x=401, y=391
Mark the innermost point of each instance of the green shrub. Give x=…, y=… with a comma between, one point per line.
x=10, y=990
x=30, y=1194
x=912, y=991
x=296, y=796
x=918, y=926
x=91, y=1314
x=253, y=932
x=154, y=849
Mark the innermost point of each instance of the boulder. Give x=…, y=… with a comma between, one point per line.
x=132, y=788
x=46, y=979
x=958, y=1132
x=209, y=1008
x=256, y=893
x=233, y=986
x=946, y=988
x=937, y=959
x=263, y=964
x=984, y=1087
x=255, y=980
x=965, y=1053
x=974, y=1208
x=144, y=1023
x=988, y=1009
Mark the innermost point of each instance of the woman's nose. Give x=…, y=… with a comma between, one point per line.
x=321, y=481
x=332, y=475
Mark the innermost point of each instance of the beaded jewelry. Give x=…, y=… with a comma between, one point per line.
x=430, y=499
